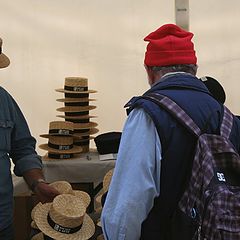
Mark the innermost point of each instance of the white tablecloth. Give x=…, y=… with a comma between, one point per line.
x=86, y=168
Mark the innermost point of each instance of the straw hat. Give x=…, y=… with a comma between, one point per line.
x=76, y=109
x=38, y=236
x=59, y=128
x=106, y=182
x=76, y=85
x=100, y=237
x=75, y=99
x=60, y=145
x=33, y=224
x=81, y=133
x=76, y=117
x=4, y=60
x=84, y=125
x=58, y=156
x=64, y=187
x=65, y=219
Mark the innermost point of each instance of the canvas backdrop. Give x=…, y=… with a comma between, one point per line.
x=102, y=40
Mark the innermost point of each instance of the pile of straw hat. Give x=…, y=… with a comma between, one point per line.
x=65, y=217
x=77, y=109
x=60, y=141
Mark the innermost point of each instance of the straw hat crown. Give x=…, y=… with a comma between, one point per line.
x=64, y=187
x=4, y=60
x=76, y=85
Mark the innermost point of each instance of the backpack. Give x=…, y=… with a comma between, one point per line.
x=212, y=197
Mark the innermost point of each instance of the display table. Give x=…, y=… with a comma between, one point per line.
x=84, y=168
x=85, y=172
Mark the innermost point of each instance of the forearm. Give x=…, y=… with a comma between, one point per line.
x=32, y=176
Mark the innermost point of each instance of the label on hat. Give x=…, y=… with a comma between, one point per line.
x=76, y=88
x=61, y=131
x=60, y=147
x=62, y=229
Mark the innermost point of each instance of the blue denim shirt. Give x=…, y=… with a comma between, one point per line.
x=135, y=182
x=16, y=143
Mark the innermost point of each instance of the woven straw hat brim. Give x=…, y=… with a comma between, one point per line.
x=85, y=125
x=87, y=230
x=74, y=92
x=79, y=139
x=75, y=149
x=100, y=237
x=91, y=132
x=46, y=158
x=4, y=61
x=99, y=198
x=76, y=108
x=107, y=180
x=77, y=117
x=99, y=223
x=47, y=135
x=33, y=225
x=72, y=100
x=34, y=209
x=38, y=236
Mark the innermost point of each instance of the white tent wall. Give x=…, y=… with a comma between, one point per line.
x=49, y=40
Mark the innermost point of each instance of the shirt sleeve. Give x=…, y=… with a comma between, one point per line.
x=22, y=150
x=136, y=179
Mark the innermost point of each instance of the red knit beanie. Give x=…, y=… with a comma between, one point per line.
x=169, y=45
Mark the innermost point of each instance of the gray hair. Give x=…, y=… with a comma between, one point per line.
x=188, y=68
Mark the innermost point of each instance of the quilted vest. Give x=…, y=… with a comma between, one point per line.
x=178, y=144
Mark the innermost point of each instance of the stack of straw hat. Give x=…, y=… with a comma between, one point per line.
x=76, y=100
x=65, y=217
x=60, y=141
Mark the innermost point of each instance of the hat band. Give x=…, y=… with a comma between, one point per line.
x=82, y=143
x=76, y=113
x=76, y=88
x=60, y=156
x=77, y=95
x=81, y=130
x=62, y=229
x=77, y=104
x=84, y=120
x=60, y=147
x=61, y=131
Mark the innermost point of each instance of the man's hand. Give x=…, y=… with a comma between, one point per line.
x=45, y=193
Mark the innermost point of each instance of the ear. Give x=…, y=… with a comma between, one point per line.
x=150, y=74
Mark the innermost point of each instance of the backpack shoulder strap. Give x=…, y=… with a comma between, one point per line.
x=227, y=123
x=175, y=110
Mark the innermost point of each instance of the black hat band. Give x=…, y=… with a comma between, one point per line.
x=83, y=104
x=81, y=130
x=76, y=95
x=84, y=120
x=62, y=229
x=76, y=113
x=76, y=88
x=60, y=147
x=61, y=131
x=60, y=156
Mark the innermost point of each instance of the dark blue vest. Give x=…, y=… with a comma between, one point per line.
x=178, y=146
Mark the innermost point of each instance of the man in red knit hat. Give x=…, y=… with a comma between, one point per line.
x=156, y=151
